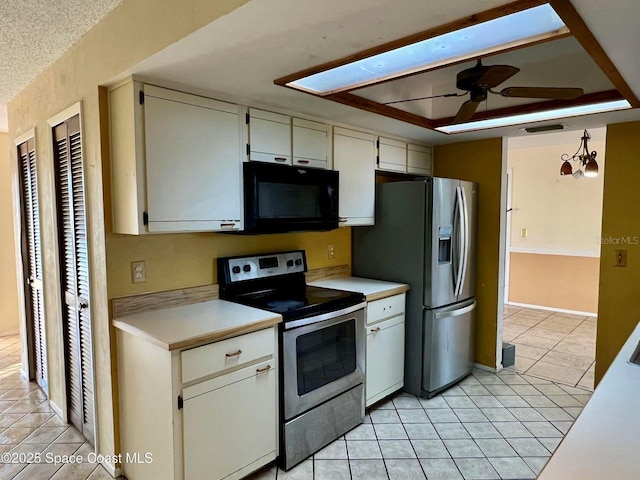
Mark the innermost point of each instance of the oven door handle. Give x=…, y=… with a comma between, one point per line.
x=325, y=316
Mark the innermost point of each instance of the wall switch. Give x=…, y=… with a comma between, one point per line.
x=523, y=232
x=331, y=251
x=138, y=272
x=621, y=258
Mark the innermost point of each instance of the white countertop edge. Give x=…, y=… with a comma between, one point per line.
x=603, y=441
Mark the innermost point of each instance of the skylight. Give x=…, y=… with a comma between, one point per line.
x=536, y=116
x=481, y=39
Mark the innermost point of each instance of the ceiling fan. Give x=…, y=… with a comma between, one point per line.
x=480, y=79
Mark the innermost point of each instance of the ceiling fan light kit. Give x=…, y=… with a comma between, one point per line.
x=507, y=28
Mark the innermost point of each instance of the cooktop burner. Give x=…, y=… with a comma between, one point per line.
x=276, y=282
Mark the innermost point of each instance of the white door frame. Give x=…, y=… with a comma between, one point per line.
x=507, y=260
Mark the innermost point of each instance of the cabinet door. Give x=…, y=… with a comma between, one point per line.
x=419, y=159
x=354, y=156
x=269, y=137
x=311, y=143
x=229, y=423
x=385, y=358
x=193, y=163
x=392, y=155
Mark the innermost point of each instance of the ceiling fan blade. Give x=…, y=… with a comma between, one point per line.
x=466, y=111
x=542, y=92
x=496, y=74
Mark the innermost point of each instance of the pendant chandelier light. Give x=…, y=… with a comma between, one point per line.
x=584, y=158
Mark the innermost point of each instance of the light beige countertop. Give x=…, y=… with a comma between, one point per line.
x=372, y=289
x=604, y=441
x=197, y=323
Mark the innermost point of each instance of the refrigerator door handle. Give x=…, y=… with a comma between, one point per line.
x=465, y=229
x=460, y=241
x=455, y=313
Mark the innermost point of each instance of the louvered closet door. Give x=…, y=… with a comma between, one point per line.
x=74, y=266
x=32, y=262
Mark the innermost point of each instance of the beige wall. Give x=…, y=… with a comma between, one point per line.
x=561, y=214
x=562, y=217
x=619, y=302
x=8, y=287
x=481, y=162
x=133, y=31
x=555, y=281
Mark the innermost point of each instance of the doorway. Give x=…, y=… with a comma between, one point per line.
x=553, y=256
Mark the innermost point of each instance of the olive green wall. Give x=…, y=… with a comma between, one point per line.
x=482, y=162
x=619, y=296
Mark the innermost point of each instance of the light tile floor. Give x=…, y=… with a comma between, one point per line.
x=552, y=345
x=490, y=426
x=29, y=427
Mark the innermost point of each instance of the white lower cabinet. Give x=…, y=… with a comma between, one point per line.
x=229, y=430
x=198, y=416
x=385, y=347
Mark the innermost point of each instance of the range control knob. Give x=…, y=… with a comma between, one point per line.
x=298, y=261
x=236, y=269
x=247, y=268
x=289, y=263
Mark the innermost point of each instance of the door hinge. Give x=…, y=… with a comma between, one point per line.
x=377, y=143
x=180, y=402
x=145, y=218
x=378, y=160
x=141, y=97
x=246, y=118
x=248, y=149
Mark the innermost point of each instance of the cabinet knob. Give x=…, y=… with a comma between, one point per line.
x=263, y=370
x=375, y=330
x=234, y=354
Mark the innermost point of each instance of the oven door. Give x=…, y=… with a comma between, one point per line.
x=322, y=360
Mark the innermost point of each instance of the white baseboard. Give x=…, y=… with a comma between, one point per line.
x=553, y=309
x=114, y=471
x=56, y=409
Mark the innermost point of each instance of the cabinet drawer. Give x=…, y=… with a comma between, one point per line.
x=385, y=308
x=217, y=357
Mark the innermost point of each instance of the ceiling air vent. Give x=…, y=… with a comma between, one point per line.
x=544, y=128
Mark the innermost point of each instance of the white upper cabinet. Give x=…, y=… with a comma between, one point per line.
x=354, y=156
x=419, y=160
x=311, y=144
x=269, y=137
x=176, y=161
x=392, y=155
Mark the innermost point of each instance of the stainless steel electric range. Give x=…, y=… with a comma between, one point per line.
x=321, y=353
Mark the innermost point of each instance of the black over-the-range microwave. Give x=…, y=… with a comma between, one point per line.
x=281, y=198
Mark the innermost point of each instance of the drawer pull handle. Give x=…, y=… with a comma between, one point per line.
x=234, y=354
x=227, y=225
x=375, y=330
x=342, y=220
x=304, y=162
x=280, y=159
x=264, y=369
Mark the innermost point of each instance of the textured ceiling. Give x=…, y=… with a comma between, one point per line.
x=34, y=33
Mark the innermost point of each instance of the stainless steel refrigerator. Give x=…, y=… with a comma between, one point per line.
x=425, y=235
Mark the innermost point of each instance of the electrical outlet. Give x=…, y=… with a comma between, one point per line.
x=621, y=258
x=331, y=251
x=138, y=272
x=523, y=232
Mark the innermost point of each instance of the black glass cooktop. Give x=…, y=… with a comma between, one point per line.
x=299, y=303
